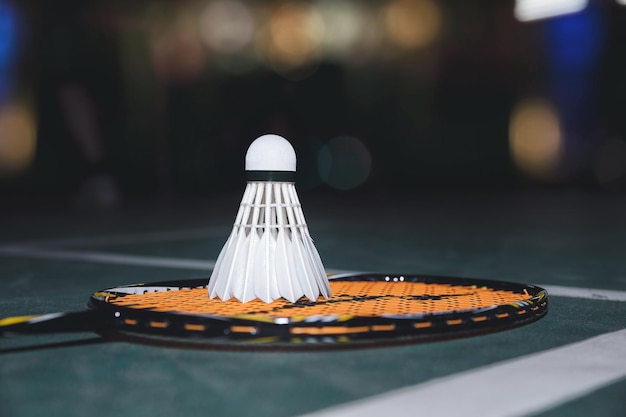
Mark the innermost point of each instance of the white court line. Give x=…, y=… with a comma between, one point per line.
x=514, y=388
x=588, y=293
x=107, y=258
x=206, y=265
x=131, y=238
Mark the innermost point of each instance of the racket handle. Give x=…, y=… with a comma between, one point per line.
x=80, y=321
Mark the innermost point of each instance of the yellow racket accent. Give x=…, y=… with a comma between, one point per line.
x=16, y=320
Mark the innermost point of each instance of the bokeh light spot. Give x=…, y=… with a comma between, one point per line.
x=536, y=139
x=412, y=24
x=344, y=163
x=344, y=25
x=528, y=10
x=17, y=139
x=227, y=26
x=295, y=33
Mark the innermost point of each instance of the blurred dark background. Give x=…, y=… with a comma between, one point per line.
x=105, y=101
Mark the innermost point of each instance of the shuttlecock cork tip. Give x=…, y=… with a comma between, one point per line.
x=271, y=153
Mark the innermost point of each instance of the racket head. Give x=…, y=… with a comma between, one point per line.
x=365, y=310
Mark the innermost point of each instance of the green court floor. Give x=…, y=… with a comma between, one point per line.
x=570, y=363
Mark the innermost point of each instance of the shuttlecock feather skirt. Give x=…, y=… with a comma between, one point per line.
x=270, y=253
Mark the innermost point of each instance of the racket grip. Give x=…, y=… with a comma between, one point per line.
x=79, y=321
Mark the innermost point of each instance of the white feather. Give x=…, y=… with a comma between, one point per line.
x=270, y=253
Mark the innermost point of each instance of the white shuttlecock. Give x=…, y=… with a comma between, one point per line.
x=270, y=253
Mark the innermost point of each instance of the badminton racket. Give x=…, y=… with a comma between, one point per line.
x=365, y=309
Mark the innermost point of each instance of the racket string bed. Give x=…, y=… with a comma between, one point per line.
x=382, y=298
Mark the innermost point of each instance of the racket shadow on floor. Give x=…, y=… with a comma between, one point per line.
x=45, y=346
